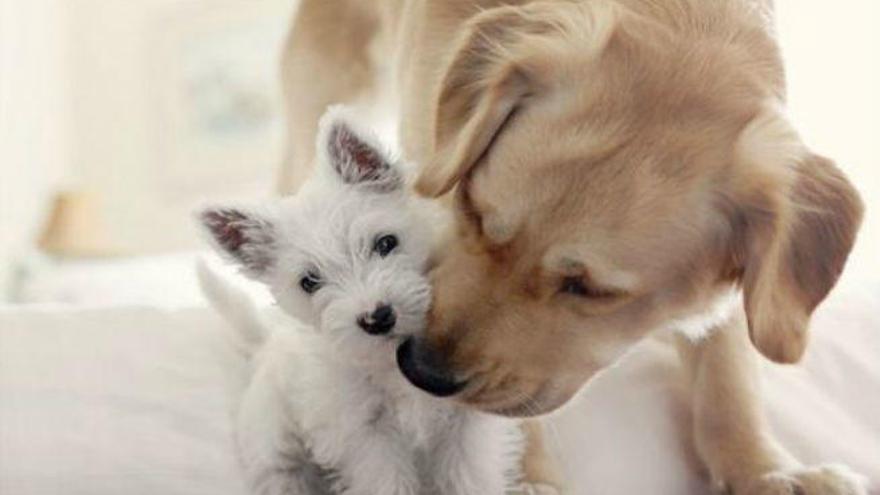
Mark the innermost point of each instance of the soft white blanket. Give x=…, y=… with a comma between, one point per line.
x=628, y=431
x=137, y=401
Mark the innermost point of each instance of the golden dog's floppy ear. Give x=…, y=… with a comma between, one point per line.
x=798, y=222
x=494, y=66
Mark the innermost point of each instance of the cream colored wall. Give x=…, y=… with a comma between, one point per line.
x=93, y=98
x=132, y=134
x=34, y=118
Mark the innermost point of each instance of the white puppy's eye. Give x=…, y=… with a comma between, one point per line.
x=310, y=282
x=385, y=244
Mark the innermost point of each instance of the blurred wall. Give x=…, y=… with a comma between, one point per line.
x=34, y=119
x=152, y=106
x=175, y=102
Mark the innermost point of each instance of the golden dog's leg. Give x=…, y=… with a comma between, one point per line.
x=541, y=474
x=326, y=60
x=730, y=430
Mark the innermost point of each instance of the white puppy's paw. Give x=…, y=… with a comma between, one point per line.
x=828, y=479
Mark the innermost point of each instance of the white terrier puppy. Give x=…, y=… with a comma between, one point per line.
x=327, y=410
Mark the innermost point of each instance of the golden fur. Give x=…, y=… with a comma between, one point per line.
x=638, y=147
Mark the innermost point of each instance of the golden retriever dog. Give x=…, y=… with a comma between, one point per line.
x=616, y=169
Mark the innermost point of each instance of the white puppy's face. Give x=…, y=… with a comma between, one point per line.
x=347, y=253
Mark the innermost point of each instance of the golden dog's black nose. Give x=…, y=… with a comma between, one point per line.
x=425, y=368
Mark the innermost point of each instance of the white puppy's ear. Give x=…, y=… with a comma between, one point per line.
x=355, y=155
x=245, y=237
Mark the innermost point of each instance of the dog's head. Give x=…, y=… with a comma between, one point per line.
x=347, y=253
x=612, y=174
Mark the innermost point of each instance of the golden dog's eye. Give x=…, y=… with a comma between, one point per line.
x=577, y=287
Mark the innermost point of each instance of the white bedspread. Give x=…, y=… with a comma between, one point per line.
x=136, y=401
x=627, y=431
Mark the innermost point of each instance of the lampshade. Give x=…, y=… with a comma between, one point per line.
x=74, y=227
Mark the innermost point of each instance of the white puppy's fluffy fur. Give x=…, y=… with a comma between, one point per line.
x=327, y=410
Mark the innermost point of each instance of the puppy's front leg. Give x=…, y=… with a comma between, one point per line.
x=475, y=455
x=541, y=473
x=375, y=463
x=480, y=455
x=731, y=433
x=274, y=459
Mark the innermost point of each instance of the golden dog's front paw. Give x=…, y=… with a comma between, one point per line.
x=829, y=479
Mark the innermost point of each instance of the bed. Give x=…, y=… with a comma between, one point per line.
x=113, y=398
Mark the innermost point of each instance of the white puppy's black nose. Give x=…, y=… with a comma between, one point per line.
x=380, y=321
